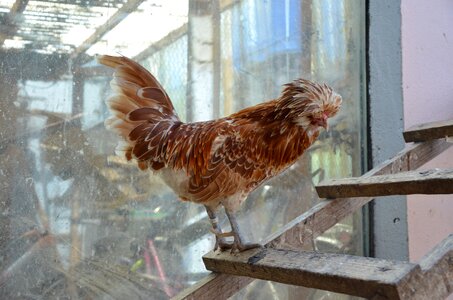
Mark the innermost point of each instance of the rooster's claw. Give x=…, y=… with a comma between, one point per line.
x=239, y=247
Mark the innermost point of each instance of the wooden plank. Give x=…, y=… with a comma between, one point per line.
x=429, y=131
x=370, y=278
x=438, y=266
x=410, y=158
x=314, y=222
x=404, y=183
x=215, y=286
x=322, y=217
x=347, y=274
x=434, y=279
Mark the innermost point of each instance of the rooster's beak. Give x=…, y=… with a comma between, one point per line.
x=323, y=122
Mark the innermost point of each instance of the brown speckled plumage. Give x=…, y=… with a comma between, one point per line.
x=219, y=161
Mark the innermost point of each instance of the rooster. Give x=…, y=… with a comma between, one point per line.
x=217, y=162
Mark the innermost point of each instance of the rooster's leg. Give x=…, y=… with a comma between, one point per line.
x=220, y=241
x=238, y=243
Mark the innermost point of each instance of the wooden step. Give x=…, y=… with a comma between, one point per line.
x=429, y=131
x=347, y=274
x=366, y=277
x=404, y=183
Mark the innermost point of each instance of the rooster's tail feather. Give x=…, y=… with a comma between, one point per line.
x=139, y=98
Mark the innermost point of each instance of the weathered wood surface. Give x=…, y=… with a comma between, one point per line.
x=410, y=158
x=429, y=131
x=438, y=267
x=215, y=286
x=353, y=275
x=404, y=183
x=433, y=278
x=370, y=278
x=318, y=219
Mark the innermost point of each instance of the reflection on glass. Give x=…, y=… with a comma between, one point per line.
x=78, y=221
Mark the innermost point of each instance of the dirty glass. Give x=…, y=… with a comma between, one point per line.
x=79, y=222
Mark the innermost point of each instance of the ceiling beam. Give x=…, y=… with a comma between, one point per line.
x=123, y=12
x=162, y=43
x=11, y=20
x=114, y=20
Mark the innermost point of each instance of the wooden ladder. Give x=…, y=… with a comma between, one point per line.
x=371, y=278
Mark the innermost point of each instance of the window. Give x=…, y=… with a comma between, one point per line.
x=78, y=220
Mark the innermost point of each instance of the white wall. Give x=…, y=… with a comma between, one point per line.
x=427, y=44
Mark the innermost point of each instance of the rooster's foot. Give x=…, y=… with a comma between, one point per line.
x=220, y=242
x=223, y=245
x=236, y=246
x=239, y=246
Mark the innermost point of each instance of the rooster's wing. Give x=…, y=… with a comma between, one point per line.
x=233, y=167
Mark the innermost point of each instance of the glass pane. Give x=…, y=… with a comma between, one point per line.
x=79, y=221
